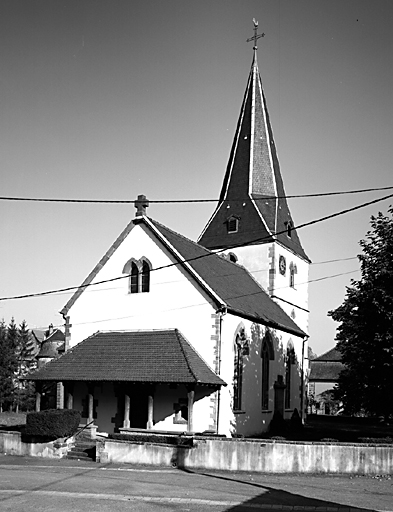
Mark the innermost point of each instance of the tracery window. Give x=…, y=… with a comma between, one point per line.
x=139, y=272
x=267, y=355
x=241, y=349
x=237, y=376
x=290, y=361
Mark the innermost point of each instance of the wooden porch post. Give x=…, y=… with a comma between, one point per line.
x=38, y=400
x=70, y=400
x=60, y=395
x=191, y=396
x=126, y=421
x=90, y=405
x=150, y=408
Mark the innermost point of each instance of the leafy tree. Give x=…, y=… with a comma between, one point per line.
x=365, y=334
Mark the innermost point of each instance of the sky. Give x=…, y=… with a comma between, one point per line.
x=111, y=99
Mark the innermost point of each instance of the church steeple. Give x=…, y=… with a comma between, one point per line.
x=252, y=208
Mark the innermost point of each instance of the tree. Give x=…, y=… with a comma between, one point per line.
x=365, y=334
x=8, y=363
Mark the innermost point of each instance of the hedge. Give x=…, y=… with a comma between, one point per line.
x=53, y=423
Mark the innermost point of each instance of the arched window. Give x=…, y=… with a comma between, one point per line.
x=290, y=360
x=134, y=278
x=241, y=349
x=237, y=375
x=267, y=355
x=145, y=276
x=292, y=272
x=233, y=224
x=139, y=272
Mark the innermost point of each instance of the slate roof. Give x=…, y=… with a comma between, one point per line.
x=327, y=367
x=232, y=284
x=253, y=189
x=154, y=356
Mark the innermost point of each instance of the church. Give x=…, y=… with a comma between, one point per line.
x=206, y=336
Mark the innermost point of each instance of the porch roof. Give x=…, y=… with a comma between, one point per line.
x=154, y=356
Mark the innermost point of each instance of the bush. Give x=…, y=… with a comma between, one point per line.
x=153, y=438
x=53, y=423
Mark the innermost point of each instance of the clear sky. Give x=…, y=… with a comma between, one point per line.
x=111, y=99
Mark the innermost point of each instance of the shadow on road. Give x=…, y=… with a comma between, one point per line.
x=280, y=498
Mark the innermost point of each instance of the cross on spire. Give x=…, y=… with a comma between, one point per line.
x=256, y=36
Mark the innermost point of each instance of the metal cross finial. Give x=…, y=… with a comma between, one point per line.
x=256, y=35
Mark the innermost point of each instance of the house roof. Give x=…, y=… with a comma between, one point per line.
x=331, y=355
x=154, y=356
x=232, y=284
x=327, y=367
x=325, y=371
x=253, y=189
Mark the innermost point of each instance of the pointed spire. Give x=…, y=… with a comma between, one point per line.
x=252, y=190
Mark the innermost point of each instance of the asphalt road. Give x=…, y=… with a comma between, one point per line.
x=33, y=484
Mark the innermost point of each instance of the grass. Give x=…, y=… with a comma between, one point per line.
x=339, y=428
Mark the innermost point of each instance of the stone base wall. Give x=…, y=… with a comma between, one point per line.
x=11, y=444
x=255, y=456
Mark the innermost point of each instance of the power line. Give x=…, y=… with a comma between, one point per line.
x=334, y=261
x=188, y=306
x=261, y=239
x=177, y=201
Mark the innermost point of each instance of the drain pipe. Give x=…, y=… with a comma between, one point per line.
x=302, y=387
x=221, y=312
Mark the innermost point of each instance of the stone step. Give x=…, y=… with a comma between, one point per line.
x=82, y=452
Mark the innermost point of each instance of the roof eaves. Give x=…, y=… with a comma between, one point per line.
x=97, y=268
x=185, y=264
x=269, y=323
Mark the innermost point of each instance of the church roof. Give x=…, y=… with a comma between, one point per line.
x=253, y=190
x=230, y=284
x=154, y=356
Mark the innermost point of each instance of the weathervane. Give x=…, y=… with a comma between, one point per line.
x=256, y=36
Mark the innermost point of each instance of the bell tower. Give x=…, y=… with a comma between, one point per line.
x=252, y=222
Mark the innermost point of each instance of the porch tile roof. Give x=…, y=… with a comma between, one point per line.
x=154, y=356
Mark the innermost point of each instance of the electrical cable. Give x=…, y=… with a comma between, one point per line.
x=261, y=239
x=177, y=201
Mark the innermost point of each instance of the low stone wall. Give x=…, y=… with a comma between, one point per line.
x=11, y=444
x=254, y=456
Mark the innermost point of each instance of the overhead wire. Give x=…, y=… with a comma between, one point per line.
x=208, y=253
x=177, y=201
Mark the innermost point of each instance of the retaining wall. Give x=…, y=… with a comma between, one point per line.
x=258, y=456
x=11, y=444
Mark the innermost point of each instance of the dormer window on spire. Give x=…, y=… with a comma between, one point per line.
x=289, y=227
x=233, y=224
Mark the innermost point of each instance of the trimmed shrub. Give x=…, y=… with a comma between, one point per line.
x=153, y=438
x=53, y=423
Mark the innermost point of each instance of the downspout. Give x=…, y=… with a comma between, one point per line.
x=302, y=382
x=222, y=311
